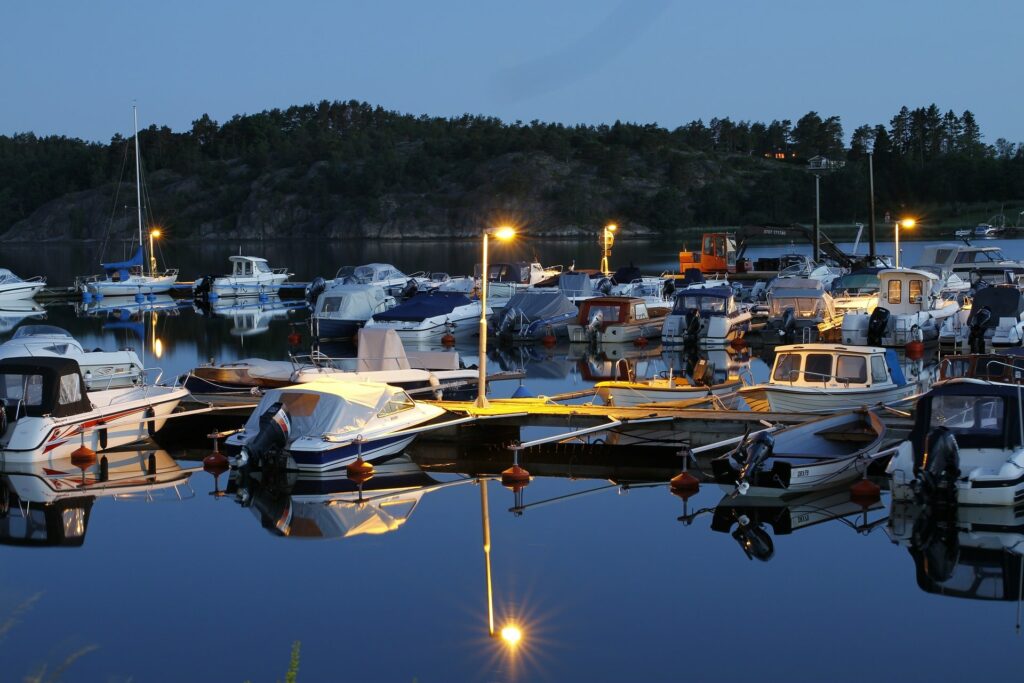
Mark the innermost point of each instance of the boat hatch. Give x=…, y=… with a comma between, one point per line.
x=40, y=386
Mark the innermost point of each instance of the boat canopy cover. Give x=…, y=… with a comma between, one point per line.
x=538, y=305
x=424, y=305
x=8, y=278
x=688, y=299
x=576, y=284
x=518, y=272
x=895, y=369
x=350, y=302
x=380, y=349
x=123, y=268
x=40, y=331
x=43, y=385
x=328, y=407
x=980, y=414
x=626, y=274
x=797, y=283
x=1004, y=302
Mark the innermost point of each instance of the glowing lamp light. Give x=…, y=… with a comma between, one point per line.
x=155, y=232
x=505, y=233
x=511, y=635
x=611, y=227
x=158, y=348
x=908, y=223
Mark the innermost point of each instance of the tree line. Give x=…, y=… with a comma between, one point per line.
x=719, y=172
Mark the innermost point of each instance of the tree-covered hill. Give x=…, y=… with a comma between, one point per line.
x=348, y=169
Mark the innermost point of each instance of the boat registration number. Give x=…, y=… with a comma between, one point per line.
x=802, y=473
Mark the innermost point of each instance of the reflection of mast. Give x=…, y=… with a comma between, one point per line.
x=487, y=555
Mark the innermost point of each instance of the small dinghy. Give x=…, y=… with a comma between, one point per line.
x=325, y=425
x=820, y=454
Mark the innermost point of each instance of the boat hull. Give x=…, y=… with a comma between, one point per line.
x=632, y=394
x=133, y=286
x=20, y=291
x=786, y=399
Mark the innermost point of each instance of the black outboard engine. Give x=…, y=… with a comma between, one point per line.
x=604, y=286
x=202, y=287
x=878, y=324
x=3, y=416
x=409, y=289
x=315, y=289
x=693, y=322
x=752, y=454
x=979, y=322
x=787, y=327
x=754, y=539
x=938, y=467
x=668, y=289
x=272, y=437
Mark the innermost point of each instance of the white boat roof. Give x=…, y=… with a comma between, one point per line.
x=242, y=259
x=908, y=271
x=829, y=348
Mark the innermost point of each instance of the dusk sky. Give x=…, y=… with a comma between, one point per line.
x=74, y=68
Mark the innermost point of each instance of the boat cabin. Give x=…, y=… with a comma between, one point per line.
x=613, y=310
x=711, y=301
x=375, y=273
x=807, y=297
x=1006, y=368
x=42, y=386
x=350, y=302
x=717, y=254
x=249, y=266
x=979, y=414
x=518, y=272
x=835, y=366
x=906, y=291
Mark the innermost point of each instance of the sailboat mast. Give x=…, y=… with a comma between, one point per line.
x=138, y=184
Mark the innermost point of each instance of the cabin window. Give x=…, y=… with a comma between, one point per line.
x=640, y=312
x=247, y=268
x=609, y=314
x=879, y=373
x=787, y=367
x=262, y=267
x=818, y=367
x=979, y=415
x=965, y=257
x=332, y=304
x=851, y=369
x=916, y=288
x=709, y=245
x=70, y=390
x=28, y=389
x=895, y=292
x=803, y=307
x=396, y=404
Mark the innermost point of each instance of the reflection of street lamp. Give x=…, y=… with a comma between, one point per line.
x=607, y=241
x=510, y=633
x=504, y=234
x=153, y=234
x=905, y=223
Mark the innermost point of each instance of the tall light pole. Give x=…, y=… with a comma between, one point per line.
x=152, y=255
x=504, y=234
x=905, y=223
x=607, y=241
x=871, y=216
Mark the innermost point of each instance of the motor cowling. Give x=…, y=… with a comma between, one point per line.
x=203, y=286
x=938, y=467
x=787, y=326
x=604, y=285
x=275, y=426
x=3, y=417
x=595, y=323
x=315, y=289
x=693, y=323
x=507, y=322
x=668, y=289
x=878, y=325
x=980, y=319
x=410, y=288
x=754, y=539
x=752, y=454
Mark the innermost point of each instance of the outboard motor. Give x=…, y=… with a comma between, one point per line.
x=203, y=286
x=507, y=322
x=787, y=327
x=3, y=417
x=938, y=467
x=979, y=321
x=751, y=455
x=409, y=289
x=668, y=288
x=878, y=325
x=594, y=326
x=315, y=289
x=693, y=321
x=755, y=541
x=604, y=285
x=273, y=436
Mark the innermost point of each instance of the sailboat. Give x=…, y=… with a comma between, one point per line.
x=129, y=278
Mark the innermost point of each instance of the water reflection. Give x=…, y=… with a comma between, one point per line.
x=14, y=312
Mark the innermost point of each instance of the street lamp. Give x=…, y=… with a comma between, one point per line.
x=905, y=224
x=607, y=241
x=153, y=234
x=503, y=233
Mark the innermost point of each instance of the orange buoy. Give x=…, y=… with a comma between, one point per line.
x=865, y=490
x=684, y=482
x=361, y=477
x=915, y=349
x=83, y=456
x=515, y=476
x=448, y=339
x=359, y=468
x=548, y=340
x=738, y=343
x=215, y=463
x=294, y=339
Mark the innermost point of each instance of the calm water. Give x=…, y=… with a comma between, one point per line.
x=624, y=583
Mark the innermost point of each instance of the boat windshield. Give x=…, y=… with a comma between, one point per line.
x=976, y=415
x=363, y=274
x=857, y=283
x=39, y=331
x=803, y=307
x=705, y=304
x=262, y=267
x=345, y=272
x=18, y=388
x=609, y=314
x=332, y=304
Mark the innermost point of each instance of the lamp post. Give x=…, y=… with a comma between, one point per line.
x=153, y=234
x=504, y=234
x=607, y=241
x=905, y=223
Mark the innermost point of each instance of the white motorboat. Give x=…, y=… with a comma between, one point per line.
x=324, y=425
x=393, y=281
x=995, y=316
x=709, y=317
x=250, y=276
x=663, y=389
x=820, y=454
x=49, y=412
x=973, y=263
x=13, y=288
x=825, y=378
x=616, y=319
x=100, y=369
x=909, y=309
x=533, y=314
x=341, y=310
x=429, y=316
x=14, y=312
x=129, y=278
x=856, y=291
x=798, y=308
x=966, y=444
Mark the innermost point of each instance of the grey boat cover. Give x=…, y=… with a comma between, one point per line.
x=538, y=304
x=1004, y=302
x=380, y=349
x=576, y=285
x=350, y=302
x=797, y=283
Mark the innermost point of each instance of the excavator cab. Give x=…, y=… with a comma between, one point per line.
x=716, y=255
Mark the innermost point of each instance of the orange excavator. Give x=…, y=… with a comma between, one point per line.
x=721, y=252
x=716, y=255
